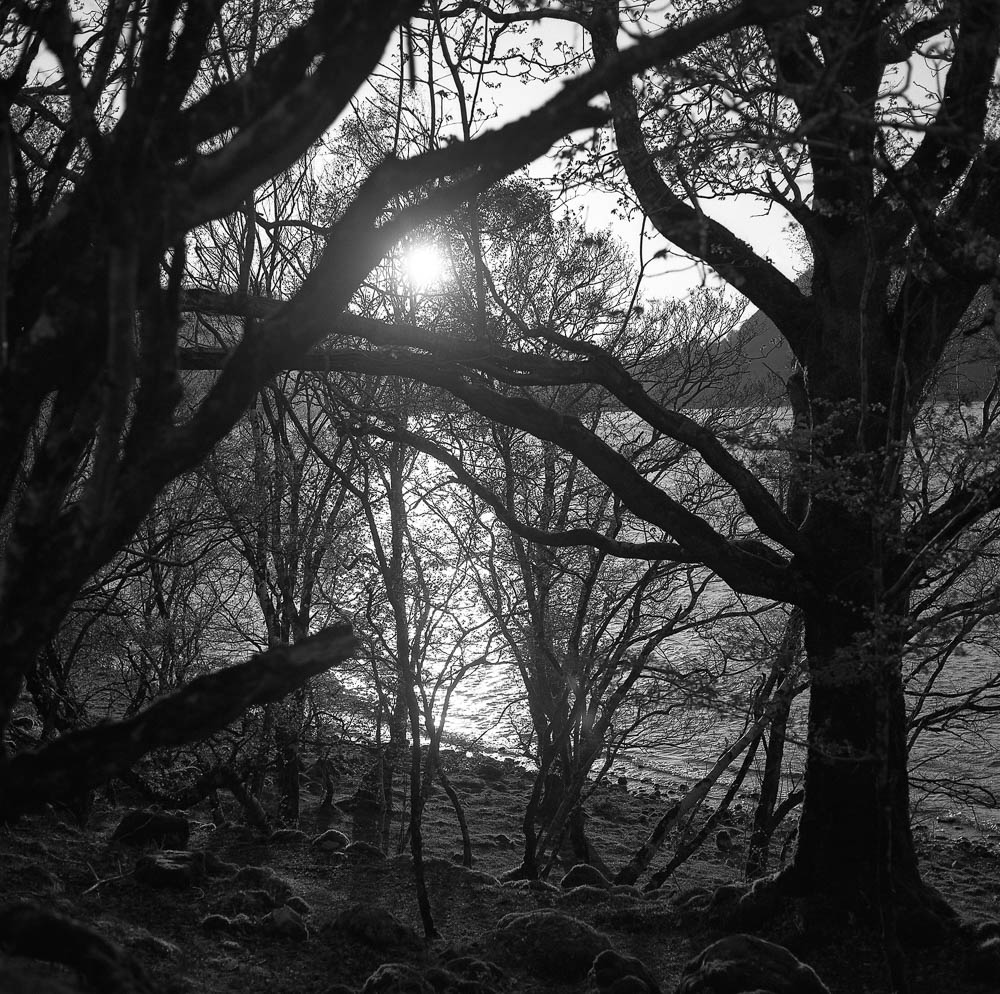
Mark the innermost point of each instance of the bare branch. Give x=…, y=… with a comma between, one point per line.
x=678, y=222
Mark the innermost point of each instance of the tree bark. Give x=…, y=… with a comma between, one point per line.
x=456, y=803
x=855, y=847
x=688, y=847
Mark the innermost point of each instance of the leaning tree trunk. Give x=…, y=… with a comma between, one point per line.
x=774, y=748
x=87, y=758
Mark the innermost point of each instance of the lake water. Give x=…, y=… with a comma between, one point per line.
x=686, y=753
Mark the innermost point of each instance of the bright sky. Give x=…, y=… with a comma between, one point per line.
x=763, y=225
x=760, y=224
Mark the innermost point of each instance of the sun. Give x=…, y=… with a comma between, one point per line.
x=423, y=266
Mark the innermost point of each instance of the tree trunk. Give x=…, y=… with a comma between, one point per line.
x=855, y=848
x=687, y=847
x=288, y=719
x=456, y=803
x=774, y=749
x=763, y=817
x=286, y=741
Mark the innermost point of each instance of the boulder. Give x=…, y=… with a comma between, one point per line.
x=364, y=850
x=627, y=892
x=540, y=886
x=222, y=923
x=584, y=895
x=617, y=974
x=170, y=869
x=548, y=944
x=741, y=963
x=583, y=874
x=264, y=878
x=143, y=827
x=250, y=902
x=287, y=837
x=331, y=841
x=628, y=984
x=477, y=974
x=287, y=923
x=216, y=867
x=984, y=961
x=447, y=871
x=376, y=927
x=692, y=899
x=464, y=975
x=397, y=978
x=299, y=904
x=985, y=929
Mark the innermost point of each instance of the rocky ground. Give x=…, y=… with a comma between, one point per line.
x=238, y=912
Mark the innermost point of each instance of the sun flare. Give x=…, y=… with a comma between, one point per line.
x=423, y=266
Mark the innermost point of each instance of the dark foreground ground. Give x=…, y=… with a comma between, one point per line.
x=311, y=919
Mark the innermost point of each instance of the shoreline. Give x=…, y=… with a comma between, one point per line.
x=86, y=875
x=937, y=813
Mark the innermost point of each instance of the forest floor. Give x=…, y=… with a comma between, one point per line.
x=81, y=873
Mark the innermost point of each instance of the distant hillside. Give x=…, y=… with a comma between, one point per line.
x=971, y=362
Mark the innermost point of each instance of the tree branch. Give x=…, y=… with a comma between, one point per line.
x=952, y=139
x=81, y=760
x=514, y=367
x=747, y=565
x=692, y=231
x=656, y=551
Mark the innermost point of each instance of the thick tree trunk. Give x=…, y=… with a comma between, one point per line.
x=855, y=848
